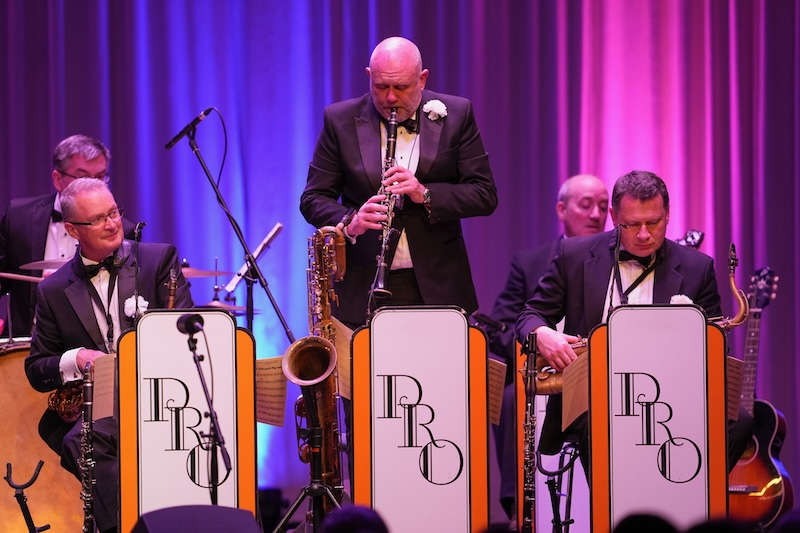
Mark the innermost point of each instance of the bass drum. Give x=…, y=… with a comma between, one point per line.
x=55, y=496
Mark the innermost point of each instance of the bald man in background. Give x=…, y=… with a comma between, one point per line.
x=582, y=208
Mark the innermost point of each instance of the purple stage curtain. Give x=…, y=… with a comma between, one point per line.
x=704, y=93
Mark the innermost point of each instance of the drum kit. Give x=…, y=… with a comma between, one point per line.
x=188, y=272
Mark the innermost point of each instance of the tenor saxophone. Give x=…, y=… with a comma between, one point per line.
x=310, y=362
x=86, y=461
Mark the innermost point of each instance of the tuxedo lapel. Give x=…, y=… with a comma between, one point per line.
x=430, y=132
x=368, y=131
x=126, y=283
x=668, y=280
x=77, y=293
x=39, y=223
x=596, y=272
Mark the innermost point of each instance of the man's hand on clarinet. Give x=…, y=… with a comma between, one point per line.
x=86, y=355
x=555, y=347
x=369, y=216
x=399, y=180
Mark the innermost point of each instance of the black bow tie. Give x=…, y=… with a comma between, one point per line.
x=625, y=255
x=107, y=263
x=56, y=216
x=410, y=124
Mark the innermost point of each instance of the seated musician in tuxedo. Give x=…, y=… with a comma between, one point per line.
x=32, y=228
x=81, y=310
x=582, y=207
x=580, y=286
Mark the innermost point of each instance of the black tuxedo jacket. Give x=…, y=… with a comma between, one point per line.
x=65, y=317
x=575, y=287
x=527, y=267
x=23, y=236
x=346, y=170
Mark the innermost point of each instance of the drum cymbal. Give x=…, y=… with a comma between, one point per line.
x=46, y=264
x=20, y=277
x=191, y=272
x=237, y=310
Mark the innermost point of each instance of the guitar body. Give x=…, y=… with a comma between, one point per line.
x=759, y=487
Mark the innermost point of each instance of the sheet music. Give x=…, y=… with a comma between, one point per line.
x=497, y=380
x=103, y=393
x=270, y=391
x=342, y=345
x=576, y=390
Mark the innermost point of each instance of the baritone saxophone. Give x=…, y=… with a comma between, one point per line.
x=310, y=362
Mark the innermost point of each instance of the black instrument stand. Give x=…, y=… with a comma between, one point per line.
x=317, y=490
x=22, y=500
x=254, y=270
x=566, y=463
x=215, y=433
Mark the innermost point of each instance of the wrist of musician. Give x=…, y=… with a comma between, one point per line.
x=68, y=366
x=349, y=236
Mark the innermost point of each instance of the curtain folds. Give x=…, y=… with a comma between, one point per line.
x=704, y=93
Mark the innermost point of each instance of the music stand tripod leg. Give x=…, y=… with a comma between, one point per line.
x=316, y=489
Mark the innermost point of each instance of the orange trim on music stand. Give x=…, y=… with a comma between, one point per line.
x=479, y=453
x=128, y=431
x=717, y=424
x=598, y=413
x=362, y=414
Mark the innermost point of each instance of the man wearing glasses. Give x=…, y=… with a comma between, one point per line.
x=32, y=228
x=581, y=286
x=81, y=310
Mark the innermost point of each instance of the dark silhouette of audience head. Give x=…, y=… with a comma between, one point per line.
x=636, y=523
x=354, y=519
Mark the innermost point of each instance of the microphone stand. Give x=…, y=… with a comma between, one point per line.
x=215, y=433
x=254, y=273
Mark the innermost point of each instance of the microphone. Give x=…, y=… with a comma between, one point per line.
x=193, y=124
x=231, y=286
x=190, y=323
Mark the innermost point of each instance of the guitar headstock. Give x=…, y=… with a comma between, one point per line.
x=692, y=239
x=763, y=288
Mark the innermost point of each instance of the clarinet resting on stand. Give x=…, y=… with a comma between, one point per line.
x=391, y=202
x=86, y=461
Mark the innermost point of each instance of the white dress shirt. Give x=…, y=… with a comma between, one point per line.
x=68, y=364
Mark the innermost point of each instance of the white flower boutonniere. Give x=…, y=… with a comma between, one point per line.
x=680, y=299
x=130, y=306
x=435, y=109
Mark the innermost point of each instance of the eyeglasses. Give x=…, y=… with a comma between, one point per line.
x=115, y=215
x=103, y=176
x=635, y=227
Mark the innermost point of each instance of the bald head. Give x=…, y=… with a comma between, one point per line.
x=582, y=205
x=396, y=77
x=397, y=50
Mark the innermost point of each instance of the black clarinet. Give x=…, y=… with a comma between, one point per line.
x=86, y=461
x=529, y=436
x=392, y=200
